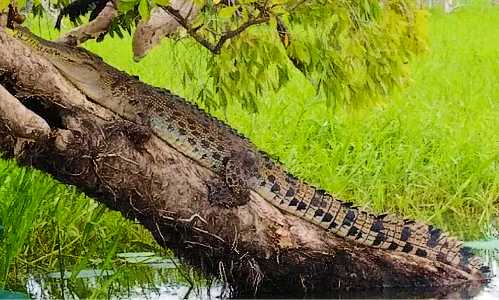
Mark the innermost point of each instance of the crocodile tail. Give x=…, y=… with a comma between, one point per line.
x=379, y=231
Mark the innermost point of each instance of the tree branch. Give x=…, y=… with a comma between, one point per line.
x=23, y=122
x=93, y=29
x=215, y=48
x=161, y=24
x=233, y=33
x=191, y=31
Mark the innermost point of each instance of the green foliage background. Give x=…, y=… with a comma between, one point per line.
x=352, y=52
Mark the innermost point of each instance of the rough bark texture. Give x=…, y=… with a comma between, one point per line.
x=161, y=24
x=252, y=246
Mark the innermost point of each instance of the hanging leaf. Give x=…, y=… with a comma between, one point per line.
x=126, y=5
x=227, y=12
x=144, y=9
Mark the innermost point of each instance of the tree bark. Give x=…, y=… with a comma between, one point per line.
x=47, y=123
x=93, y=29
x=161, y=24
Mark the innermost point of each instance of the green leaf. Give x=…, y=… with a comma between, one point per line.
x=162, y=2
x=144, y=9
x=126, y=5
x=227, y=12
x=21, y=3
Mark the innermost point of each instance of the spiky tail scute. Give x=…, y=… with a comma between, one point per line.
x=378, y=231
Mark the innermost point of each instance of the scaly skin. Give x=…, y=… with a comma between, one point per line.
x=219, y=148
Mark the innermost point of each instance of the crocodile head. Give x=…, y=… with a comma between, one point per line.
x=85, y=70
x=77, y=65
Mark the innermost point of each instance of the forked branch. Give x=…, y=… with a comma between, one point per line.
x=215, y=48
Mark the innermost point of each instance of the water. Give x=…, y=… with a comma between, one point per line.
x=490, y=252
x=145, y=275
x=491, y=290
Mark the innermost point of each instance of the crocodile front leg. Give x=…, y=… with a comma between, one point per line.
x=138, y=133
x=234, y=189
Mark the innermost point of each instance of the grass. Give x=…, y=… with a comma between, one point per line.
x=48, y=226
x=431, y=152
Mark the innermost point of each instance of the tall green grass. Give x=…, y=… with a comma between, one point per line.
x=431, y=152
x=48, y=226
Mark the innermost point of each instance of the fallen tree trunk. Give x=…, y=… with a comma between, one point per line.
x=45, y=122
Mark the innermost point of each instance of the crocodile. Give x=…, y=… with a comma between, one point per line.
x=241, y=167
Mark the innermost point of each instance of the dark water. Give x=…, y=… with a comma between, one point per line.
x=147, y=276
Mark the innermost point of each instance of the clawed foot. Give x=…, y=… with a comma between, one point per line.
x=220, y=194
x=137, y=134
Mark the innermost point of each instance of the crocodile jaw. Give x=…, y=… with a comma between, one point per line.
x=94, y=83
x=75, y=64
x=84, y=70
x=83, y=76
